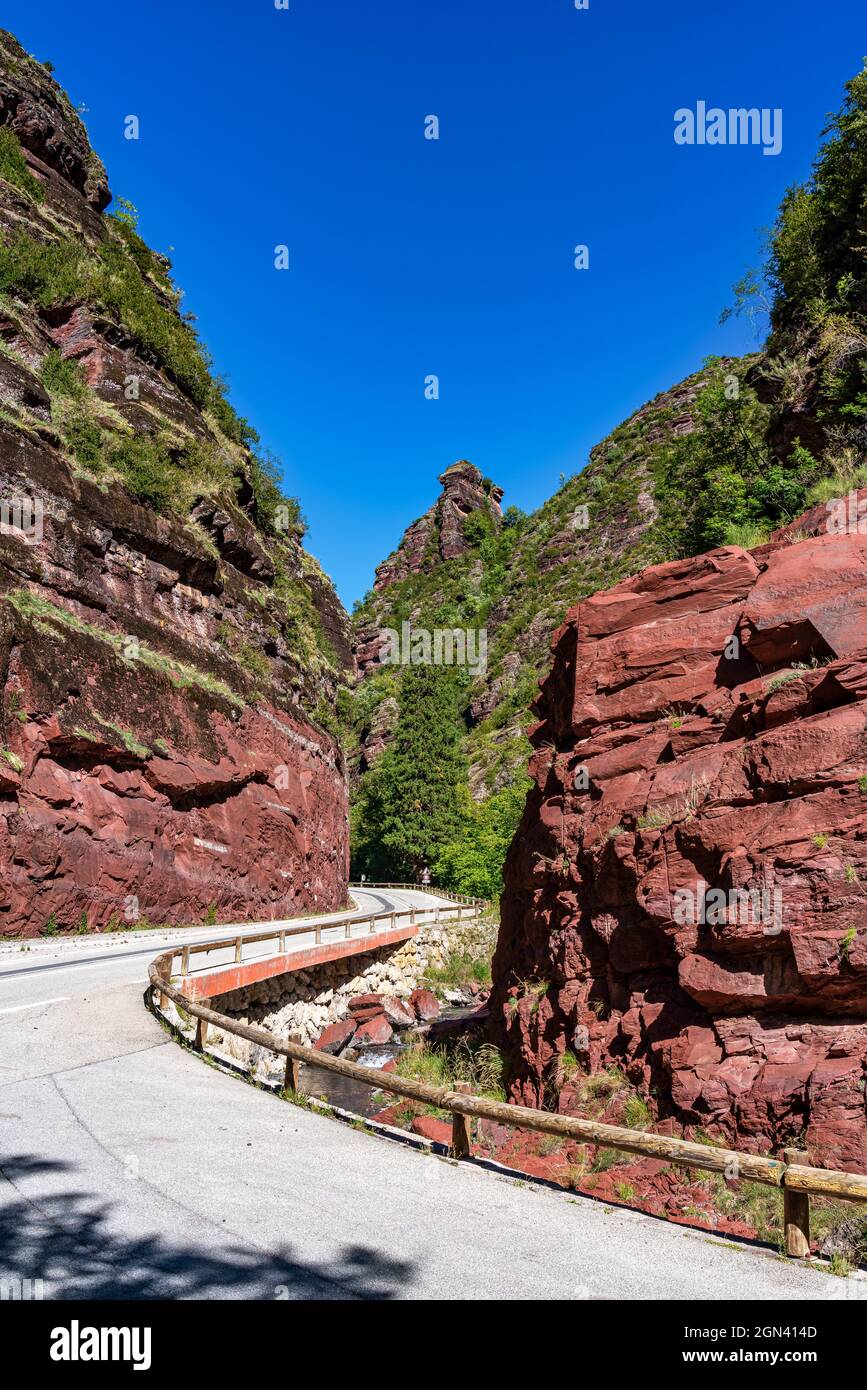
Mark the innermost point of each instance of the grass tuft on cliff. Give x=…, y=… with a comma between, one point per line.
x=13, y=166
x=53, y=619
x=132, y=285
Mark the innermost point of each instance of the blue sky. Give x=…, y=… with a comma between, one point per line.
x=454, y=257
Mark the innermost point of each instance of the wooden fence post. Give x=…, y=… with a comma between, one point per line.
x=796, y=1212
x=201, y=1029
x=293, y=1075
x=185, y=961
x=461, y=1126
x=237, y=950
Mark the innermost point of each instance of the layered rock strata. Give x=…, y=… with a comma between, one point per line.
x=685, y=897
x=164, y=667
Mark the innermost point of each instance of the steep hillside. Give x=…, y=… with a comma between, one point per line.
x=647, y=493
x=169, y=654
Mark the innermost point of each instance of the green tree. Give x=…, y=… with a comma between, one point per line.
x=814, y=284
x=367, y=821
x=412, y=801
x=818, y=240
x=717, y=477
x=473, y=863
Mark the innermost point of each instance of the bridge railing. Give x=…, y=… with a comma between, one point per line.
x=793, y=1175
x=427, y=888
x=454, y=910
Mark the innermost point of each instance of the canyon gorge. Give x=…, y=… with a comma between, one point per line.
x=185, y=702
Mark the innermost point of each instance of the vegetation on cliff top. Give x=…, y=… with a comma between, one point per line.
x=813, y=286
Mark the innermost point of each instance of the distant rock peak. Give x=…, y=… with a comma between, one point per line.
x=440, y=534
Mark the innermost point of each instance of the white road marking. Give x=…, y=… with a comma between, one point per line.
x=38, y=1004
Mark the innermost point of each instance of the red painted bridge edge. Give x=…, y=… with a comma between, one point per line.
x=229, y=977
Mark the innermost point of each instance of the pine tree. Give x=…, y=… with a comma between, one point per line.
x=421, y=775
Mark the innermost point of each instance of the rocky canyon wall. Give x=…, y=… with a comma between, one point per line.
x=168, y=654
x=704, y=728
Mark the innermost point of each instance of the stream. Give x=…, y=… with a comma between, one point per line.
x=348, y=1094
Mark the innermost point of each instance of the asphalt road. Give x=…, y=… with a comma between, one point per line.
x=130, y=1169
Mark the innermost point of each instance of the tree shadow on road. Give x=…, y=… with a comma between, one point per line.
x=66, y=1238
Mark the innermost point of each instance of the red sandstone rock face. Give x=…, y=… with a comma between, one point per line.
x=429, y=1127
x=47, y=127
x=380, y=733
x=436, y=536
x=705, y=723
x=397, y=1012
x=237, y=810
x=155, y=761
x=361, y=1003
x=463, y=492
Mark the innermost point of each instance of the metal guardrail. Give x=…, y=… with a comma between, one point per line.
x=792, y=1174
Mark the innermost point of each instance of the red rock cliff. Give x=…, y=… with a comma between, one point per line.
x=155, y=757
x=704, y=727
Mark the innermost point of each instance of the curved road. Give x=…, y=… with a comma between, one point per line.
x=130, y=1169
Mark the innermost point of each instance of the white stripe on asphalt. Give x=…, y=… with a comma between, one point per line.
x=39, y=1004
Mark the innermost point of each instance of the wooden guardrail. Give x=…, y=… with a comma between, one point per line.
x=792, y=1174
